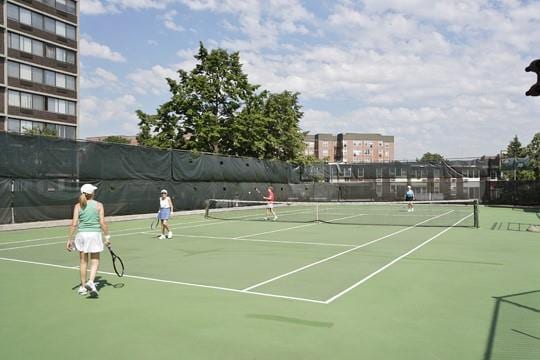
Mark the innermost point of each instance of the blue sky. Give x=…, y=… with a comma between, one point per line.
x=441, y=76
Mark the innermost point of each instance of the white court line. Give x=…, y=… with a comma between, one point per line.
x=342, y=253
x=296, y=227
x=172, y=282
x=392, y=262
x=116, y=233
x=59, y=242
x=265, y=240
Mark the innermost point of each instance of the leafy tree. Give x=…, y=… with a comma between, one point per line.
x=514, y=149
x=116, y=139
x=44, y=131
x=285, y=138
x=533, y=152
x=429, y=157
x=214, y=108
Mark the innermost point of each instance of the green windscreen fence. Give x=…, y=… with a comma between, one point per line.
x=37, y=157
x=40, y=200
x=122, y=162
x=5, y=201
x=187, y=166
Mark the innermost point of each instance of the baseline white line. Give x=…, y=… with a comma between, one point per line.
x=341, y=253
x=171, y=281
x=392, y=262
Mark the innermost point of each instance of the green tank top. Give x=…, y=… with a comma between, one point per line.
x=89, y=218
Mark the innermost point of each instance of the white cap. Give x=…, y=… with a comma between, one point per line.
x=88, y=189
x=409, y=186
x=164, y=191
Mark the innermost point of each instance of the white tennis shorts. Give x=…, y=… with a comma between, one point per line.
x=89, y=242
x=270, y=206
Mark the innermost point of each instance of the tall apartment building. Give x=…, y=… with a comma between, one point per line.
x=364, y=148
x=350, y=147
x=39, y=73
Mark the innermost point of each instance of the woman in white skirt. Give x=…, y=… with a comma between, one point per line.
x=165, y=211
x=89, y=220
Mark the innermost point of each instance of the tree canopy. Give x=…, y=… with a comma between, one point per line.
x=41, y=131
x=116, y=139
x=214, y=108
x=429, y=157
x=522, y=162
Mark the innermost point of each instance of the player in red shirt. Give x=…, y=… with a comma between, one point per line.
x=270, y=204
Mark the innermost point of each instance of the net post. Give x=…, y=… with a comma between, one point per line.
x=317, y=212
x=476, y=218
x=207, y=208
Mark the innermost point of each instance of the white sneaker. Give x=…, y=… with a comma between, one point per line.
x=275, y=218
x=169, y=235
x=82, y=291
x=161, y=237
x=90, y=286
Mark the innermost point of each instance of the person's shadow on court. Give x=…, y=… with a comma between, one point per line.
x=101, y=283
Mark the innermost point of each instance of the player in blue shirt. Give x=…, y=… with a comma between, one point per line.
x=409, y=196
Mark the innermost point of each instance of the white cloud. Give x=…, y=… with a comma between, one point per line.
x=98, y=7
x=168, y=21
x=152, y=81
x=99, y=78
x=102, y=116
x=94, y=49
x=93, y=7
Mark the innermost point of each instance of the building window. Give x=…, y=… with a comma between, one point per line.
x=26, y=72
x=26, y=44
x=37, y=21
x=26, y=100
x=13, y=69
x=37, y=75
x=37, y=48
x=14, y=98
x=14, y=125
x=38, y=102
x=14, y=41
x=13, y=12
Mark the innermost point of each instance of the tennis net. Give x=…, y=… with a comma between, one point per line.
x=462, y=213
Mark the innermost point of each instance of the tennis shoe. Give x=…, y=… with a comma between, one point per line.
x=90, y=286
x=275, y=218
x=169, y=235
x=82, y=291
x=161, y=237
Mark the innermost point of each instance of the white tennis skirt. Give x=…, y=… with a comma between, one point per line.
x=89, y=242
x=270, y=205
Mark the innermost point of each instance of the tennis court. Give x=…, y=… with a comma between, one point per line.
x=242, y=289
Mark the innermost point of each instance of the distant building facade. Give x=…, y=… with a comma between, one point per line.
x=364, y=148
x=39, y=50
x=350, y=147
x=325, y=146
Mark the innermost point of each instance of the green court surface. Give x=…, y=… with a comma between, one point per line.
x=239, y=289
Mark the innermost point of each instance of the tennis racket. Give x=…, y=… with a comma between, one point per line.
x=118, y=264
x=258, y=191
x=155, y=222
